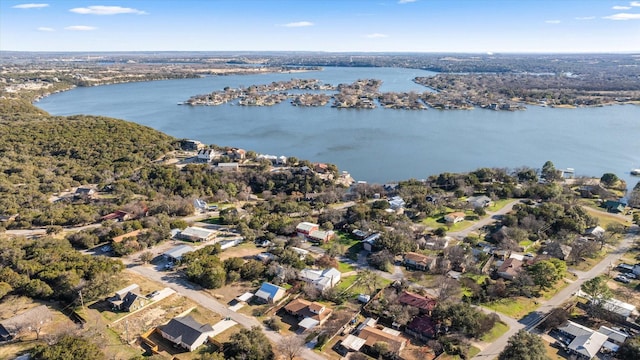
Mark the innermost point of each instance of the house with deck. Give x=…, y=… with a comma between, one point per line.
x=186, y=332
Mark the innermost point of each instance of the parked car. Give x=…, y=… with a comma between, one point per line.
x=622, y=279
x=631, y=276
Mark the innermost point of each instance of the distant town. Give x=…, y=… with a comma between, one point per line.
x=121, y=242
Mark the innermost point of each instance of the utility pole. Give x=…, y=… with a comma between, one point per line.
x=81, y=298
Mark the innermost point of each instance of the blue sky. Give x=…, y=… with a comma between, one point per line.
x=322, y=25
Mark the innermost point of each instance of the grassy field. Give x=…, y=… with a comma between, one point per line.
x=604, y=218
x=513, y=307
x=499, y=204
x=473, y=351
x=498, y=329
x=344, y=267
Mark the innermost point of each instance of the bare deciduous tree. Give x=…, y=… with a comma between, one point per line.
x=291, y=346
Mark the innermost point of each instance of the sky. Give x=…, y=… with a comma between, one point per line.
x=462, y=26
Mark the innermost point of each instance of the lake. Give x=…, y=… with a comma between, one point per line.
x=379, y=145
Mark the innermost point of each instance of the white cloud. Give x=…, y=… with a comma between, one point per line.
x=623, y=16
x=106, y=10
x=552, y=21
x=80, y=28
x=30, y=6
x=44, y=28
x=618, y=7
x=376, y=36
x=299, y=24
x=635, y=3
x=406, y=1
x=585, y=18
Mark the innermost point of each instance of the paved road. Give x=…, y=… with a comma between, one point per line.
x=192, y=292
x=533, y=319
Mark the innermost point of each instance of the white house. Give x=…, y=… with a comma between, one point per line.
x=454, y=217
x=206, y=155
x=321, y=279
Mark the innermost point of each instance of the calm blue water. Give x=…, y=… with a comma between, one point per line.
x=379, y=145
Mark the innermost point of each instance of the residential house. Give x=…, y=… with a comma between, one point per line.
x=206, y=155
x=595, y=232
x=510, y=268
x=419, y=261
x=265, y=257
x=320, y=168
x=302, y=253
x=128, y=299
x=305, y=228
x=482, y=201
x=454, y=217
x=369, y=243
x=236, y=154
x=118, y=215
x=321, y=279
x=175, y=254
x=396, y=203
x=191, y=145
x=269, y=293
x=424, y=304
x=196, y=234
x=614, y=336
x=585, y=342
x=422, y=327
x=11, y=327
x=619, y=310
x=84, y=193
x=320, y=236
x=186, y=332
x=310, y=314
x=359, y=234
x=614, y=206
x=392, y=338
x=130, y=235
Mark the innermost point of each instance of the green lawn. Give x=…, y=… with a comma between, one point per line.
x=513, y=307
x=498, y=329
x=344, y=267
x=438, y=221
x=499, y=204
x=357, y=289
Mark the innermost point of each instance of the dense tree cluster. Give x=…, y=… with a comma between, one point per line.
x=68, y=347
x=524, y=346
x=248, y=344
x=49, y=268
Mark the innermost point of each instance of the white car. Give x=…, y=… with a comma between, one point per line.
x=622, y=279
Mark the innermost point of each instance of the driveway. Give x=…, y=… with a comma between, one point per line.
x=191, y=291
x=532, y=320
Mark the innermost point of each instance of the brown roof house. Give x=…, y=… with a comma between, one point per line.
x=419, y=261
x=454, y=217
x=422, y=303
x=510, y=268
x=392, y=338
x=310, y=314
